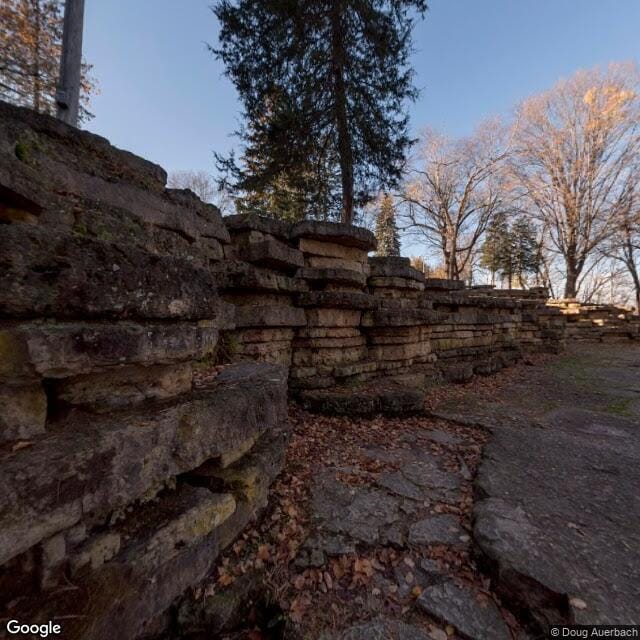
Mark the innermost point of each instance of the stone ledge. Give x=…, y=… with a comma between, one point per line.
x=91, y=465
x=402, y=317
x=252, y=222
x=273, y=254
x=337, y=233
x=45, y=350
x=242, y=275
x=394, y=267
x=48, y=273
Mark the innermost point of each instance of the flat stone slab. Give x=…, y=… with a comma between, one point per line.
x=458, y=606
x=336, y=232
x=440, y=529
x=558, y=522
x=396, y=401
x=252, y=222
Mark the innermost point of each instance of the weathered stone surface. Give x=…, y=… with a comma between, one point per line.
x=443, y=284
x=359, y=512
x=252, y=222
x=459, y=607
x=322, y=262
x=336, y=300
x=123, y=386
x=401, y=317
x=272, y=253
x=335, y=276
x=394, y=267
x=95, y=465
x=46, y=273
x=57, y=168
x=23, y=411
x=457, y=372
x=270, y=316
x=249, y=476
x=401, y=284
x=331, y=250
x=338, y=233
x=66, y=349
x=238, y=275
x=440, y=529
x=323, y=317
x=223, y=610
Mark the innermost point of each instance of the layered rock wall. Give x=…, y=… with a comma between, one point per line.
x=121, y=476
x=127, y=464
x=598, y=322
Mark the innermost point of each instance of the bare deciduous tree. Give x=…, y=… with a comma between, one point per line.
x=623, y=246
x=454, y=190
x=204, y=186
x=574, y=148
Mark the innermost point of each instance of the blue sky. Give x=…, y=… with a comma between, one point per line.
x=163, y=95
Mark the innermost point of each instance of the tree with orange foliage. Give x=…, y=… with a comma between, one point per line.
x=575, y=147
x=30, y=49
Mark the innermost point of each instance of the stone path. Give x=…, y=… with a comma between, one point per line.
x=559, y=486
x=515, y=504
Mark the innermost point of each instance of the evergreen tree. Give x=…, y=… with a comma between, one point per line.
x=526, y=257
x=496, y=248
x=386, y=229
x=511, y=251
x=340, y=71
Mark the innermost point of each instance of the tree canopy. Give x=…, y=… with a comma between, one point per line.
x=324, y=85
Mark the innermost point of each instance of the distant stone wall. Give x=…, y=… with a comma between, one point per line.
x=312, y=299
x=120, y=479
x=598, y=322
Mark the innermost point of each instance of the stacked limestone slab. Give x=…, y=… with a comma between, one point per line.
x=598, y=322
x=478, y=334
x=258, y=280
x=331, y=348
x=399, y=329
x=120, y=482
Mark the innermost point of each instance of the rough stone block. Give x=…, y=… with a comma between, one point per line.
x=251, y=222
x=332, y=317
x=321, y=262
x=273, y=254
x=325, y=276
x=236, y=275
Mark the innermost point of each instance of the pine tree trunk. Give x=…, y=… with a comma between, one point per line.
x=340, y=109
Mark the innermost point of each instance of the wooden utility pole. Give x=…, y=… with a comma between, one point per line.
x=68, y=93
